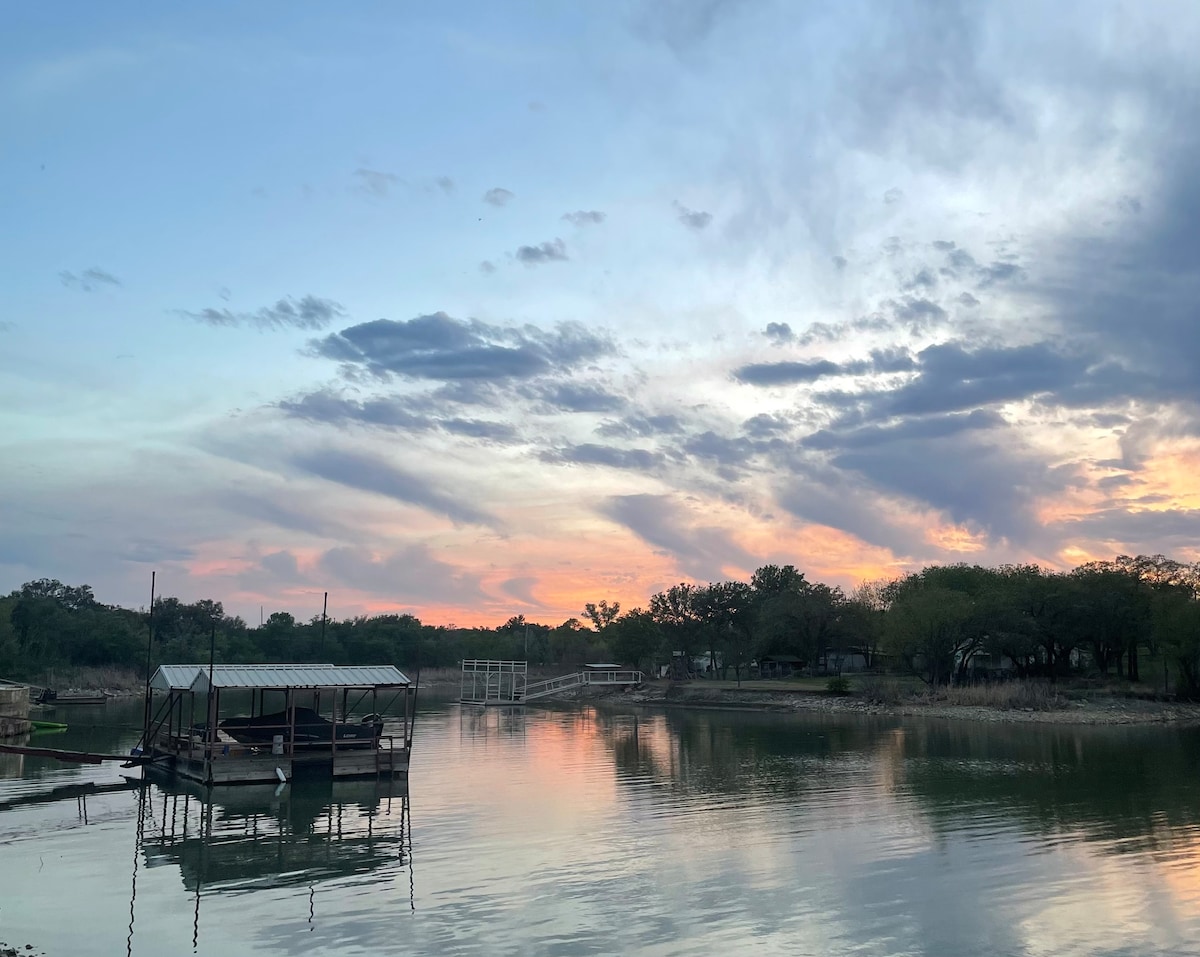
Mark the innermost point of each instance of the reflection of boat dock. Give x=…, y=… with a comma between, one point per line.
x=241, y=838
x=271, y=746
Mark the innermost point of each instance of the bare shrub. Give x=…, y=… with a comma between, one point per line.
x=877, y=689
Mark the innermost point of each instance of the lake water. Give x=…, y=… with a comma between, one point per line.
x=580, y=830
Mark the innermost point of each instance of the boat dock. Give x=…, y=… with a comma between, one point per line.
x=264, y=746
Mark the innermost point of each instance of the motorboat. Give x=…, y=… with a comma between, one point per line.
x=311, y=729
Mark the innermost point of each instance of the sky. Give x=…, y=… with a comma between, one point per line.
x=473, y=310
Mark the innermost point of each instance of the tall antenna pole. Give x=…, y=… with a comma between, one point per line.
x=324, y=609
x=149, y=651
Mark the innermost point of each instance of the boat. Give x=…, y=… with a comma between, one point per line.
x=311, y=729
x=52, y=698
x=47, y=726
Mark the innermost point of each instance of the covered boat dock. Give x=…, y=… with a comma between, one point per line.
x=187, y=734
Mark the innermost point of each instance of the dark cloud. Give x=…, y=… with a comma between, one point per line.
x=487, y=267
x=438, y=346
x=641, y=427
x=498, y=196
x=968, y=300
x=374, y=182
x=582, y=217
x=553, y=250
x=785, y=373
x=978, y=480
x=150, y=552
x=308, y=312
x=797, y=373
x=589, y=453
x=827, y=496
x=839, y=263
x=89, y=280
x=908, y=430
x=953, y=377
x=919, y=315
x=703, y=553
x=779, y=332
x=282, y=566
x=730, y=453
x=412, y=574
x=1131, y=294
x=998, y=272
x=765, y=426
x=445, y=184
x=400, y=413
x=580, y=397
x=1138, y=530
x=691, y=218
x=893, y=195
x=369, y=474
x=924, y=279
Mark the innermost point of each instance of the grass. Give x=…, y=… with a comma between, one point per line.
x=1020, y=695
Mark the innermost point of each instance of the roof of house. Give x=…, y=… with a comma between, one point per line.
x=277, y=677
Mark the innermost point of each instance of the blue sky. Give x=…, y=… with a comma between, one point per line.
x=497, y=309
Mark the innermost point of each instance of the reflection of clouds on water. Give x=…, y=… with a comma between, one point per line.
x=575, y=830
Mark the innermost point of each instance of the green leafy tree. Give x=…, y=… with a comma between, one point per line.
x=601, y=614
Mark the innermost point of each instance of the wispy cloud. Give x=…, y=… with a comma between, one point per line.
x=370, y=473
x=439, y=346
x=585, y=217
x=692, y=218
x=89, y=280
x=375, y=182
x=499, y=196
x=308, y=312
x=553, y=250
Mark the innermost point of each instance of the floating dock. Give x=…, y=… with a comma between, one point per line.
x=264, y=746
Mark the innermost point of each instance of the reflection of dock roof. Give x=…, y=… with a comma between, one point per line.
x=194, y=678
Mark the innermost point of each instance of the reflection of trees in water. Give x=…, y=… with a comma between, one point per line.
x=1132, y=787
x=722, y=752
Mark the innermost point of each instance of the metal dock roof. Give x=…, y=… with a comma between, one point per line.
x=277, y=677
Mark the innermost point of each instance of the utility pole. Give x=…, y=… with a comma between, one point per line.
x=324, y=608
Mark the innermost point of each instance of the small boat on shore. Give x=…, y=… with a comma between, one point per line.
x=53, y=698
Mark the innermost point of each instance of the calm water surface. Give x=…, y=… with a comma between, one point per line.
x=586, y=831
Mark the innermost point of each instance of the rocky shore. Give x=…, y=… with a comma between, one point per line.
x=1096, y=710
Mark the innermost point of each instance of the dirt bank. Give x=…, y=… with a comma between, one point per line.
x=1096, y=710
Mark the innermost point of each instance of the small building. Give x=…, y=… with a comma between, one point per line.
x=779, y=666
x=253, y=744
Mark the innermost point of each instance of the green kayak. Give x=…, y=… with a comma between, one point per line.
x=47, y=726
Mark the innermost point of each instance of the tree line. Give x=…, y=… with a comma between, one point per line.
x=946, y=623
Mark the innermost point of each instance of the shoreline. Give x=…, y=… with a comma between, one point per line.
x=1101, y=710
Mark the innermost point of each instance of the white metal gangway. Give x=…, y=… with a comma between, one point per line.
x=578, y=679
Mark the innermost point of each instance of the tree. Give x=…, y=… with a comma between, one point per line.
x=635, y=638
x=676, y=614
x=927, y=628
x=725, y=611
x=601, y=614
